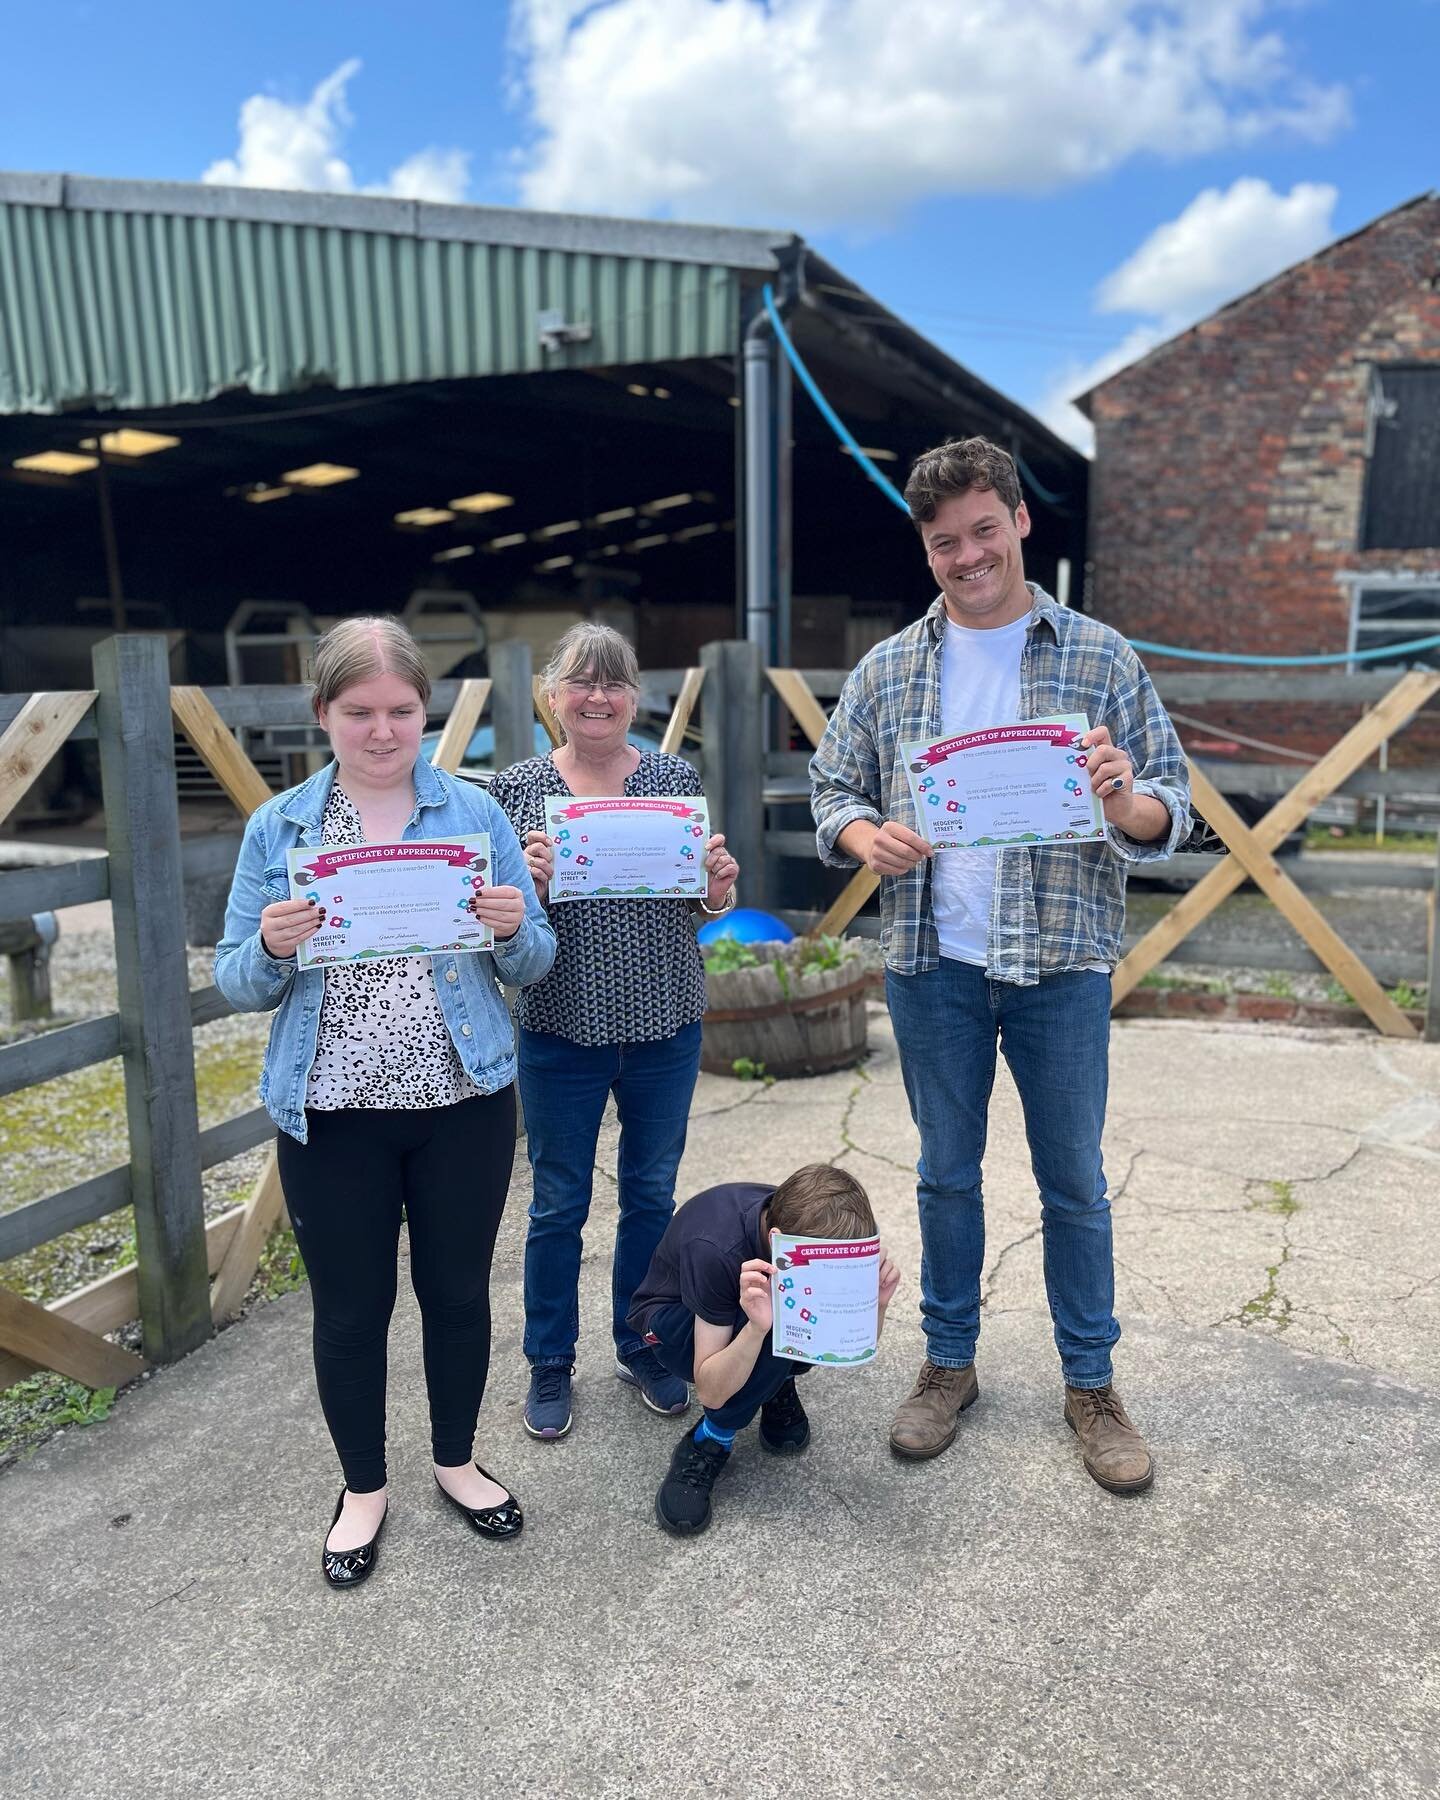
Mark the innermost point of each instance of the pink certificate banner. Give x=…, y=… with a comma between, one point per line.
x=584, y=809
x=1053, y=733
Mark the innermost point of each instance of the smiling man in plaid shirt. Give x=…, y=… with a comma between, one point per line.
x=1010, y=946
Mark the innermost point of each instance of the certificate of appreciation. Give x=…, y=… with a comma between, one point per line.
x=826, y=1296
x=1018, y=783
x=624, y=849
x=406, y=899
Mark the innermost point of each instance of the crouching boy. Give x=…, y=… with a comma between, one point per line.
x=704, y=1307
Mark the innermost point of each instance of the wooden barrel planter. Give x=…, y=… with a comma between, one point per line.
x=799, y=1023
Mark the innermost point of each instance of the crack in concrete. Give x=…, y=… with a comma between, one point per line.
x=1152, y=1281
x=848, y=1143
x=993, y=1276
x=1270, y=1306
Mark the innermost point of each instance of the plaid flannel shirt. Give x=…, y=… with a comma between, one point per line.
x=1054, y=906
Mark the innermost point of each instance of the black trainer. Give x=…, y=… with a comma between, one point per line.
x=683, y=1504
x=784, y=1429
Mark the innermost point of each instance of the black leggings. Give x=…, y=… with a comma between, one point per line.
x=448, y=1169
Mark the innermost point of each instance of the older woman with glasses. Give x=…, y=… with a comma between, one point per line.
x=618, y=1013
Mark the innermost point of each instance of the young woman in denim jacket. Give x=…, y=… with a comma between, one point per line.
x=392, y=1082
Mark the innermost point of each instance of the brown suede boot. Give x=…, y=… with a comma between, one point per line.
x=1113, y=1450
x=929, y=1417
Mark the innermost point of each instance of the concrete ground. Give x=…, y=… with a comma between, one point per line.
x=988, y=1624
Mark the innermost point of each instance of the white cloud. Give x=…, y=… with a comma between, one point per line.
x=1055, y=407
x=817, y=112
x=1221, y=245
x=297, y=144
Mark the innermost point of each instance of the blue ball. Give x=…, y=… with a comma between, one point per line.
x=749, y=925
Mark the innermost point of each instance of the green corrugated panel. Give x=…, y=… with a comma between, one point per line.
x=141, y=310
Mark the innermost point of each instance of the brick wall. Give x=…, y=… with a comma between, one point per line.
x=1230, y=465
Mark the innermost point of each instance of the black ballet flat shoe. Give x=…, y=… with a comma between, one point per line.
x=503, y=1521
x=348, y=1568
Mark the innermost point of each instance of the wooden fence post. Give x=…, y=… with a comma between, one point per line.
x=735, y=756
x=512, y=702
x=147, y=892
x=1432, y=997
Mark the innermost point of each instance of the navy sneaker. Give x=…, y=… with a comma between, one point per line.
x=547, y=1405
x=784, y=1429
x=661, y=1391
x=683, y=1503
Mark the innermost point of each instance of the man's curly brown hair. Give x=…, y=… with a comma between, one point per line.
x=955, y=467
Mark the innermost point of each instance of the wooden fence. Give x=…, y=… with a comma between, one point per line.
x=189, y=1275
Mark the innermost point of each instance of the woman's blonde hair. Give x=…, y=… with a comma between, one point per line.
x=595, y=650
x=360, y=649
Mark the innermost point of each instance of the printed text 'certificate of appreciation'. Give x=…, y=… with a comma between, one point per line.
x=406, y=899
x=826, y=1295
x=1018, y=783
x=627, y=849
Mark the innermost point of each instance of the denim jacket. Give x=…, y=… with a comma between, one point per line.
x=254, y=981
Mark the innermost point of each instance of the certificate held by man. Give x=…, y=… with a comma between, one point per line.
x=413, y=898
x=1018, y=782
x=619, y=848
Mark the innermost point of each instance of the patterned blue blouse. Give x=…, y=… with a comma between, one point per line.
x=625, y=971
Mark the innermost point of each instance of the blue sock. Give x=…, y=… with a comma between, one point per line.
x=707, y=1429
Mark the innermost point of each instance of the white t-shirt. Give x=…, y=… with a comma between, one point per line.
x=979, y=686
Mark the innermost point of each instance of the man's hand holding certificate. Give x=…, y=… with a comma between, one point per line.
x=1018, y=782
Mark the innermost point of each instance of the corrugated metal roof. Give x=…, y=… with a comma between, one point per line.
x=142, y=295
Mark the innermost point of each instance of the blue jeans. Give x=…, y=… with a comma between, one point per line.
x=563, y=1088
x=674, y=1327
x=1056, y=1038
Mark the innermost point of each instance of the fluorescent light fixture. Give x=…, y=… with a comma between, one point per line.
x=608, y=550
x=424, y=515
x=555, y=562
x=614, y=516
x=319, y=475
x=482, y=503
x=454, y=553
x=554, y=531
x=129, y=441
x=56, y=462
x=634, y=387
x=695, y=531
x=508, y=542
x=661, y=393
x=259, y=494
x=732, y=400
x=670, y=500
x=648, y=543
x=874, y=454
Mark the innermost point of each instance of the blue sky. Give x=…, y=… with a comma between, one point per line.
x=1045, y=187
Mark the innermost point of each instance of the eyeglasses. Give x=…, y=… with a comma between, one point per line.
x=612, y=690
